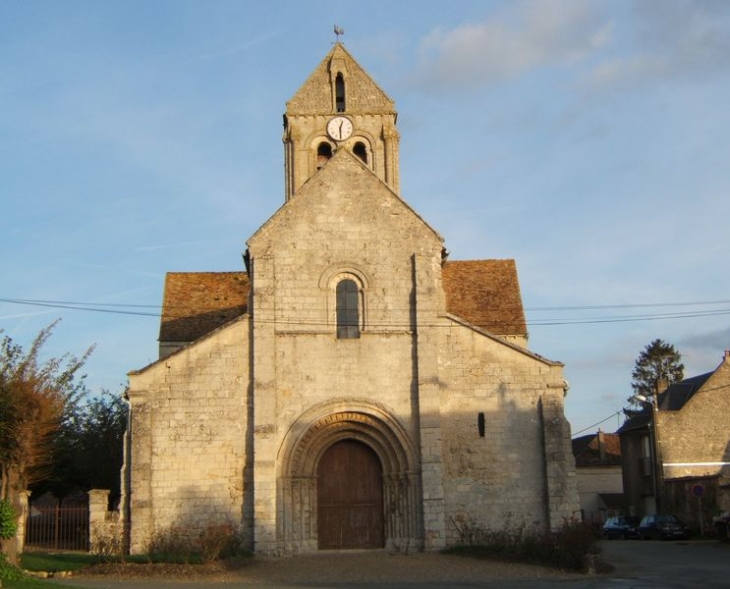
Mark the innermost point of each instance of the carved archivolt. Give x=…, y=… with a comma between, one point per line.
x=323, y=425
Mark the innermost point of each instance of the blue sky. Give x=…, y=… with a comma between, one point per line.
x=586, y=139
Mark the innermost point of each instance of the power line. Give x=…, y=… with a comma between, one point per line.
x=590, y=427
x=136, y=309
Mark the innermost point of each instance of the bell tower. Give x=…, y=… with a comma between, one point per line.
x=339, y=107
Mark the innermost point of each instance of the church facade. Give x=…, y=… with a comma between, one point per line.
x=351, y=387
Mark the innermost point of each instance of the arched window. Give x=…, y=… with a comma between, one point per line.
x=324, y=152
x=348, y=311
x=361, y=151
x=340, y=92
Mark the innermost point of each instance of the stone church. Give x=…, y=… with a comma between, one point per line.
x=351, y=386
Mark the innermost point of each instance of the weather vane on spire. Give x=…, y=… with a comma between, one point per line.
x=339, y=31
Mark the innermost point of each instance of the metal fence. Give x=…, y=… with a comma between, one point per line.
x=57, y=528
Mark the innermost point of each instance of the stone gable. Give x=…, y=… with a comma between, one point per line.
x=364, y=96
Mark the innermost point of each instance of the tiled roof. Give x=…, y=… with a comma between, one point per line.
x=486, y=293
x=196, y=303
x=587, y=451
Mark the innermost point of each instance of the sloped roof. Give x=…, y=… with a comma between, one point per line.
x=676, y=396
x=672, y=399
x=587, y=451
x=485, y=293
x=196, y=303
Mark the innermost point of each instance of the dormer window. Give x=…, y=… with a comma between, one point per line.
x=324, y=152
x=340, y=92
x=348, y=310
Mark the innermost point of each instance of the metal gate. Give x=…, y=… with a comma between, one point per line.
x=350, y=497
x=57, y=528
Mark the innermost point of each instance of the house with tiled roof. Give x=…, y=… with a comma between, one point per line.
x=676, y=451
x=598, y=475
x=351, y=387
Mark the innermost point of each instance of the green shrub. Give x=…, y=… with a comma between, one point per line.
x=8, y=572
x=107, y=543
x=178, y=545
x=172, y=545
x=572, y=547
x=8, y=520
x=218, y=541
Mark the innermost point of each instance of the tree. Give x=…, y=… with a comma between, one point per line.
x=34, y=398
x=659, y=361
x=89, y=447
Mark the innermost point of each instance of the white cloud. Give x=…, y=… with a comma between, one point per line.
x=669, y=39
x=533, y=34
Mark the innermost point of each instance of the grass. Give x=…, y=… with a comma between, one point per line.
x=52, y=562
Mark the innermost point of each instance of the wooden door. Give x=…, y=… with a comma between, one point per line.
x=350, y=497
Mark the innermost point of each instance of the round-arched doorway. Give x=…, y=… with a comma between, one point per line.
x=350, y=497
x=349, y=477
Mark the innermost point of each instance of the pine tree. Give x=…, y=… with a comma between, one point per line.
x=659, y=361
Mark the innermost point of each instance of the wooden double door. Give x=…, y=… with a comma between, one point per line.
x=350, y=497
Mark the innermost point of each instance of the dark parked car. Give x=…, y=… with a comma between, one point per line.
x=664, y=527
x=621, y=526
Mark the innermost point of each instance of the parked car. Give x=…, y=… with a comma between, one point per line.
x=621, y=526
x=663, y=527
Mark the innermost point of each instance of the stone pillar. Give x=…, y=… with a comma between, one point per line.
x=23, y=499
x=429, y=402
x=98, y=507
x=391, y=140
x=560, y=482
x=264, y=409
x=139, y=473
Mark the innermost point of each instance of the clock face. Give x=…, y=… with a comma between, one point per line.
x=339, y=128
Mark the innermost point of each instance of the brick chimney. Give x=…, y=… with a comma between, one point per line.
x=601, y=445
x=726, y=357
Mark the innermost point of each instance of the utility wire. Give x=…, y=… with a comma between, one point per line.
x=136, y=309
x=590, y=427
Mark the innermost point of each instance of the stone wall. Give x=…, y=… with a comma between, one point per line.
x=695, y=441
x=189, y=423
x=501, y=474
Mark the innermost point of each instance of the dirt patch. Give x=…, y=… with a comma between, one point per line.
x=130, y=570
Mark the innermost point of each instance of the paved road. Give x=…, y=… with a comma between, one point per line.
x=639, y=565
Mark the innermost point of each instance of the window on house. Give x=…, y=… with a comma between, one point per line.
x=361, y=151
x=348, y=314
x=340, y=92
x=324, y=152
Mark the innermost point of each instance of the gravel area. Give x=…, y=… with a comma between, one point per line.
x=327, y=568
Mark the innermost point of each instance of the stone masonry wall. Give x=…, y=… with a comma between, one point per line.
x=503, y=478
x=699, y=432
x=343, y=223
x=189, y=424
